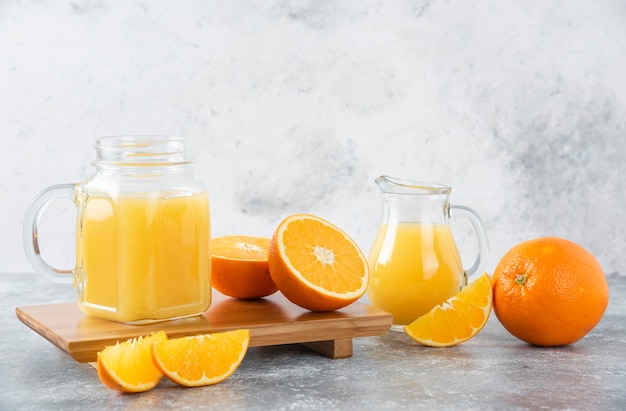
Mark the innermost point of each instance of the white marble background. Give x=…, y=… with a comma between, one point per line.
x=297, y=106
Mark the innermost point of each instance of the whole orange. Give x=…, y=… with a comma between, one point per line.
x=549, y=291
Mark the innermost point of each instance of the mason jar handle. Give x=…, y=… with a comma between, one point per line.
x=31, y=228
x=479, y=233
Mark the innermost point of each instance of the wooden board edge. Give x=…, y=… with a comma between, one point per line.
x=332, y=337
x=325, y=330
x=48, y=334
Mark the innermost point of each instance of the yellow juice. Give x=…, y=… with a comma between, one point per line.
x=413, y=267
x=144, y=259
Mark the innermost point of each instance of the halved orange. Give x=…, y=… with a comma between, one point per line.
x=202, y=359
x=128, y=366
x=239, y=266
x=457, y=319
x=315, y=264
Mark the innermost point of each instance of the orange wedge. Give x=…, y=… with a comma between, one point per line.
x=239, y=266
x=315, y=264
x=128, y=366
x=457, y=319
x=202, y=359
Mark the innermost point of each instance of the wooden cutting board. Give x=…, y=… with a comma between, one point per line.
x=273, y=320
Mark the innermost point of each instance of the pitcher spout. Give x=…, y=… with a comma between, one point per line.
x=392, y=185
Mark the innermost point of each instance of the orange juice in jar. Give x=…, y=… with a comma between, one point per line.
x=142, y=232
x=144, y=257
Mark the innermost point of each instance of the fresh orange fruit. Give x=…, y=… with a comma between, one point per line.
x=549, y=291
x=315, y=264
x=128, y=366
x=202, y=359
x=239, y=266
x=457, y=319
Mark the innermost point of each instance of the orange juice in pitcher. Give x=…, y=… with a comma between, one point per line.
x=414, y=261
x=417, y=267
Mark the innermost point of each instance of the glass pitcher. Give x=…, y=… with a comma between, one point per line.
x=142, y=232
x=414, y=261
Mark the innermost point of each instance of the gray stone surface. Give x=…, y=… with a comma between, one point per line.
x=492, y=371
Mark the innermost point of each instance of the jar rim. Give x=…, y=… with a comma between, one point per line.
x=132, y=139
x=143, y=150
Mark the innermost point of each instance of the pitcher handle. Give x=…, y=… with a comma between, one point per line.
x=31, y=229
x=479, y=233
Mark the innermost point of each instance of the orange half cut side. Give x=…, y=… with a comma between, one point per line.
x=315, y=264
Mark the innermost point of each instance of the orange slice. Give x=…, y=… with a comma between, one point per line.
x=315, y=264
x=128, y=366
x=239, y=266
x=457, y=319
x=202, y=359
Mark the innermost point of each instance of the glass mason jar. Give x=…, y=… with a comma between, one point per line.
x=142, y=232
